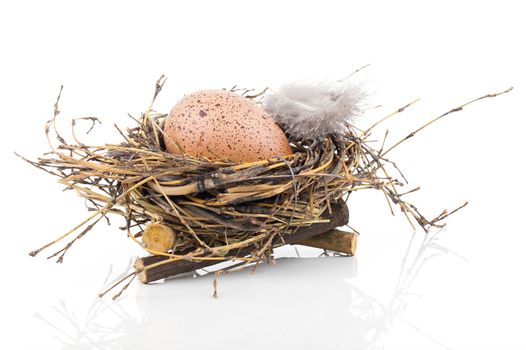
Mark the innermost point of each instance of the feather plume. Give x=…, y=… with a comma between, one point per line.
x=314, y=111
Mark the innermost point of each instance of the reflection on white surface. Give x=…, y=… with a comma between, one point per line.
x=298, y=303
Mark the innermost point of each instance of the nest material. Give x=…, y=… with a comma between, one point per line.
x=218, y=208
x=213, y=206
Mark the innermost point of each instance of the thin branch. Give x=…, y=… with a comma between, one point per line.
x=454, y=110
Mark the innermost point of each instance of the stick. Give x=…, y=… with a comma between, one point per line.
x=339, y=217
x=454, y=110
x=335, y=240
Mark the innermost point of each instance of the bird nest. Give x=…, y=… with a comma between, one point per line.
x=218, y=210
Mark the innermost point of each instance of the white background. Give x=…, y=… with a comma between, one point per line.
x=461, y=288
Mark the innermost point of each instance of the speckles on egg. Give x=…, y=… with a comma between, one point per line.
x=220, y=124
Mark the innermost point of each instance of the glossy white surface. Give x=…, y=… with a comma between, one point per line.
x=460, y=288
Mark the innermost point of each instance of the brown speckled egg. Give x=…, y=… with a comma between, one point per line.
x=219, y=124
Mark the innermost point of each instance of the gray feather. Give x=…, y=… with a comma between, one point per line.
x=314, y=111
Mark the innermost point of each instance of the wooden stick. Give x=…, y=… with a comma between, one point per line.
x=339, y=217
x=335, y=240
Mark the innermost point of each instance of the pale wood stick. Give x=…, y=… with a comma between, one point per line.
x=335, y=240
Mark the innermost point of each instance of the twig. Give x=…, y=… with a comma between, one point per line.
x=454, y=110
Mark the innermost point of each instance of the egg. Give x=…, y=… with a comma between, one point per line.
x=219, y=124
